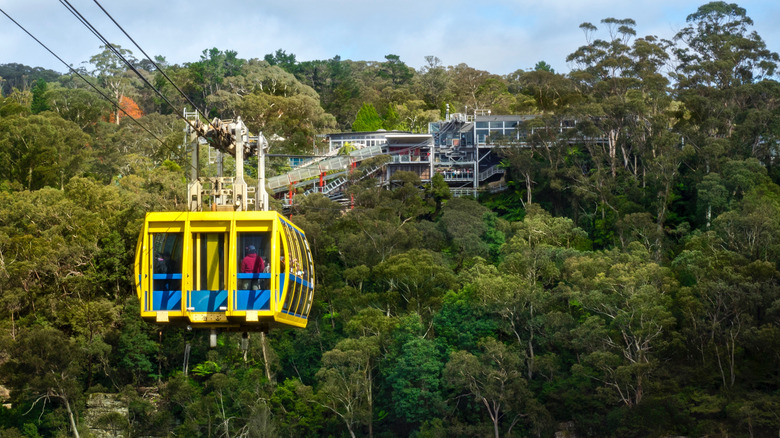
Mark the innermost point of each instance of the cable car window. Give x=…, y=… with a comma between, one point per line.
x=209, y=292
x=308, y=277
x=252, y=258
x=282, y=264
x=253, y=272
x=294, y=287
x=166, y=271
x=309, y=289
x=305, y=261
x=298, y=271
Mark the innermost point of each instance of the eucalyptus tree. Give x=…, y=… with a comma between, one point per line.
x=113, y=74
x=431, y=82
x=628, y=320
x=722, y=67
x=78, y=105
x=494, y=378
x=41, y=150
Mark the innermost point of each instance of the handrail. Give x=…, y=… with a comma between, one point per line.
x=341, y=162
x=487, y=173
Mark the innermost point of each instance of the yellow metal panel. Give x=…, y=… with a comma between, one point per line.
x=166, y=222
x=138, y=276
x=283, y=250
x=212, y=262
x=166, y=227
x=273, y=259
x=209, y=226
x=211, y=216
x=256, y=226
x=162, y=316
x=251, y=316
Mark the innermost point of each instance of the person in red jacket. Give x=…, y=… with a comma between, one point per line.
x=252, y=263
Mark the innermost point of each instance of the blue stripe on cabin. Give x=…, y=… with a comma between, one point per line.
x=208, y=300
x=166, y=300
x=252, y=299
x=166, y=276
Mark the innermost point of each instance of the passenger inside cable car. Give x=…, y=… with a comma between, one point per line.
x=253, y=275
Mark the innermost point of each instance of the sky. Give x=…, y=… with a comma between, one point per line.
x=499, y=36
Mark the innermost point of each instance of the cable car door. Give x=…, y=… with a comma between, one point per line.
x=207, y=300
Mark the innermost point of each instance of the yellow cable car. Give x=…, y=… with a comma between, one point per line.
x=229, y=268
x=234, y=270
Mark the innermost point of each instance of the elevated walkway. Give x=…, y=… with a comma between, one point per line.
x=295, y=177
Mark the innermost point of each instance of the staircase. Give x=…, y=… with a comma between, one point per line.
x=281, y=183
x=487, y=173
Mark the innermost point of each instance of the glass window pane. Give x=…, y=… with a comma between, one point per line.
x=166, y=271
x=295, y=257
x=253, y=267
x=252, y=257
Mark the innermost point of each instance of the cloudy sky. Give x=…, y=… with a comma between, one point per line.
x=499, y=36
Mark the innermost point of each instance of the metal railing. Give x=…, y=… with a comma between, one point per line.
x=487, y=173
x=463, y=192
x=409, y=159
x=281, y=182
x=458, y=175
x=327, y=188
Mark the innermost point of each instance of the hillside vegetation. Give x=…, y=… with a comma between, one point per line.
x=626, y=288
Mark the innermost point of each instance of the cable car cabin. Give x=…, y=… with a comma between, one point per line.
x=238, y=271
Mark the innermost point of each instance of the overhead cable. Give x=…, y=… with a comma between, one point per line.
x=111, y=47
x=83, y=78
x=147, y=56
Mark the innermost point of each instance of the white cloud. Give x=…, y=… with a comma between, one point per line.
x=499, y=37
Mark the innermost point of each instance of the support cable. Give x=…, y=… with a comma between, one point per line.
x=84, y=79
x=149, y=58
x=89, y=26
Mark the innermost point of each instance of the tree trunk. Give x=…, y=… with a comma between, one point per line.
x=613, y=136
x=263, y=343
x=370, y=394
x=71, y=418
x=531, y=345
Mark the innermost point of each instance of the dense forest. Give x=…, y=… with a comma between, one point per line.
x=624, y=288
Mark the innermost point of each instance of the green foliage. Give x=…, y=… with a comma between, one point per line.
x=294, y=404
x=415, y=379
x=282, y=59
x=135, y=345
x=367, y=119
x=39, y=103
x=41, y=150
x=462, y=322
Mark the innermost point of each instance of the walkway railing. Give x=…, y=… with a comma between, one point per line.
x=280, y=183
x=487, y=173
